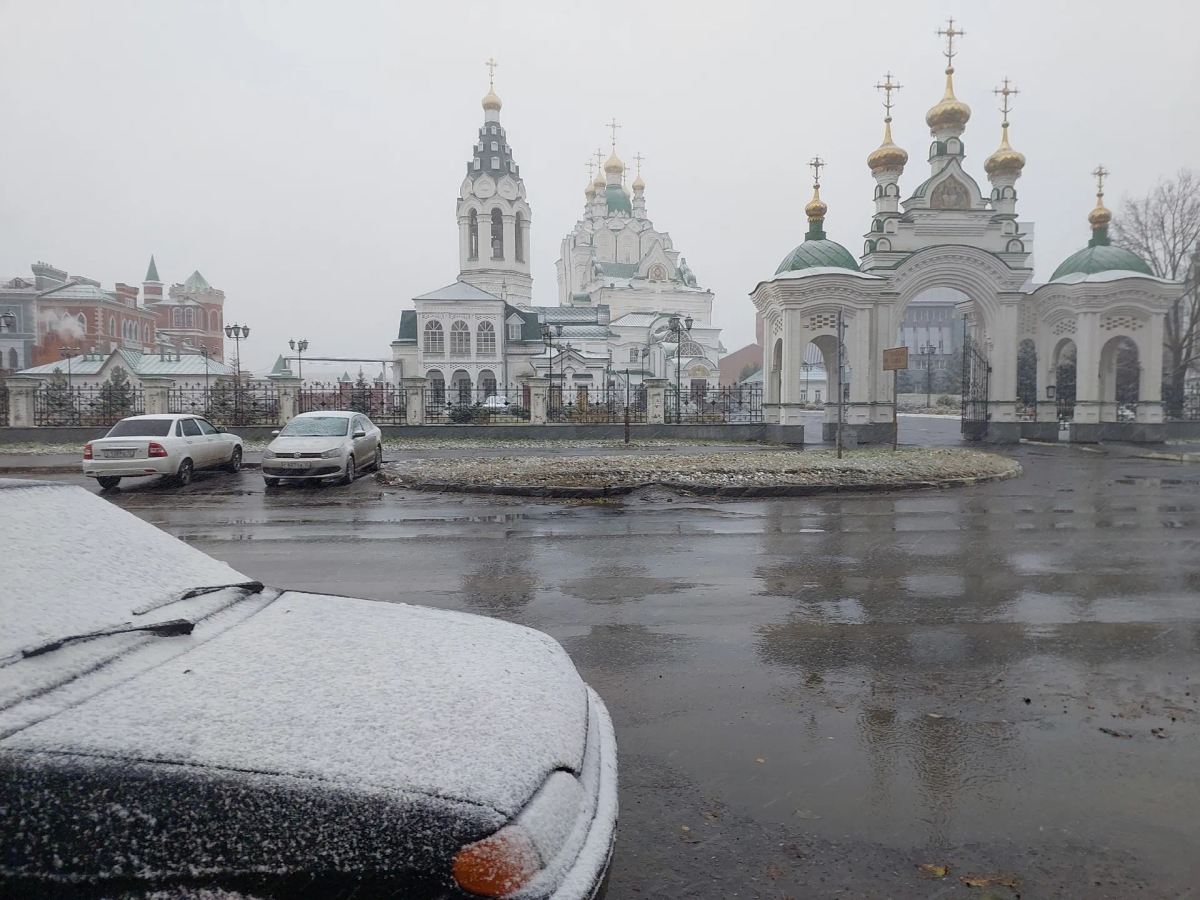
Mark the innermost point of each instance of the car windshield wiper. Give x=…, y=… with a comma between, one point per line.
x=169, y=628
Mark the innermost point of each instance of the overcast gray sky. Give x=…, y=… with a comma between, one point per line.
x=305, y=157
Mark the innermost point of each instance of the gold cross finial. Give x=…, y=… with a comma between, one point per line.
x=887, y=87
x=491, y=64
x=817, y=165
x=613, y=126
x=591, y=167
x=599, y=158
x=1006, y=92
x=950, y=33
x=1101, y=173
x=639, y=159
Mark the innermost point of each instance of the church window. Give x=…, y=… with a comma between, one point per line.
x=633, y=354
x=495, y=162
x=473, y=234
x=435, y=339
x=14, y=360
x=476, y=165
x=514, y=331
x=954, y=146
x=189, y=318
x=486, y=342
x=519, y=239
x=460, y=339
x=877, y=225
x=493, y=129
x=883, y=245
x=495, y=146
x=890, y=226
x=112, y=326
x=82, y=323
x=892, y=190
x=497, y=234
x=878, y=191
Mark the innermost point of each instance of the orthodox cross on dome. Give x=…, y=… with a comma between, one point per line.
x=491, y=64
x=1006, y=92
x=950, y=33
x=639, y=159
x=613, y=126
x=591, y=167
x=1101, y=173
x=887, y=87
x=817, y=165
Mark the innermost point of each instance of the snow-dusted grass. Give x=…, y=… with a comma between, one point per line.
x=858, y=467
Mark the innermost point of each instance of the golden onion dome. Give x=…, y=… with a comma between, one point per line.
x=491, y=101
x=1101, y=215
x=1006, y=160
x=887, y=155
x=590, y=190
x=949, y=112
x=612, y=164
x=816, y=207
x=598, y=184
x=638, y=184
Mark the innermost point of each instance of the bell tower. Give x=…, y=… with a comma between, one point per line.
x=493, y=215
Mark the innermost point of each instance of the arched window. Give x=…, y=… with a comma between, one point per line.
x=189, y=318
x=437, y=387
x=112, y=326
x=486, y=340
x=177, y=317
x=519, y=238
x=435, y=338
x=14, y=360
x=497, y=234
x=82, y=320
x=473, y=235
x=633, y=354
x=460, y=339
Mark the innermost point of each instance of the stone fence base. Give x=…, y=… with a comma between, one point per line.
x=757, y=431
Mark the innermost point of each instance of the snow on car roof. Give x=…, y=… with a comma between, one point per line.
x=369, y=695
x=327, y=413
x=74, y=563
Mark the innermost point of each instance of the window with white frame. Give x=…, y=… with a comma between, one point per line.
x=633, y=354
x=486, y=339
x=495, y=162
x=189, y=318
x=460, y=339
x=435, y=338
x=514, y=331
x=177, y=317
x=495, y=146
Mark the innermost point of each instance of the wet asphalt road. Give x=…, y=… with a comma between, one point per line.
x=814, y=697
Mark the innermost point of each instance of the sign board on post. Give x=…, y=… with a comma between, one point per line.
x=895, y=358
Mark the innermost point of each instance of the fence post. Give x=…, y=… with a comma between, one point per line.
x=289, y=398
x=656, y=400
x=414, y=400
x=539, y=393
x=157, y=391
x=20, y=401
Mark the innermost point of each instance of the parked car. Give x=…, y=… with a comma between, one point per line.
x=173, y=445
x=172, y=728
x=495, y=403
x=327, y=446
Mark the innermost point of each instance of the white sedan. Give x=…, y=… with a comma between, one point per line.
x=171, y=445
x=321, y=446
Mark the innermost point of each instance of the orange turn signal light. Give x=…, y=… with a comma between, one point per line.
x=497, y=865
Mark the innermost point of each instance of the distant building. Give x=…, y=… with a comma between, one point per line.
x=192, y=313
x=186, y=369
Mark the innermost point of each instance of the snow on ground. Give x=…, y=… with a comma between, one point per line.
x=369, y=695
x=74, y=563
x=733, y=468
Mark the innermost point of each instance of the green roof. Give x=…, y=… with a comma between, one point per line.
x=1101, y=256
x=817, y=251
x=618, y=200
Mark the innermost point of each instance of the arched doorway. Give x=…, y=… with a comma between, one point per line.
x=1120, y=380
x=437, y=387
x=487, y=383
x=1062, y=379
x=775, y=382
x=460, y=388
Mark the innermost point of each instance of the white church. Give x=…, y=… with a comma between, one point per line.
x=629, y=307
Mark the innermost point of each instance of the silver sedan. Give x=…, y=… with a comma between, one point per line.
x=323, y=446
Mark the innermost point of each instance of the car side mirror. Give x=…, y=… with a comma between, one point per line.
x=358, y=434
x=222, y=430
x=273, y=433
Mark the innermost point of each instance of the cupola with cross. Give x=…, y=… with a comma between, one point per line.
x=949, y=116
x=493, y=213
x=1100, y=255
x=817, y=250
x=886, y=161
x=1004, y=166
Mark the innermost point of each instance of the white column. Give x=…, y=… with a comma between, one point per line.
x=1087, y=368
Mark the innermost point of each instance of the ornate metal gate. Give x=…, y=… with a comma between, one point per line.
x=974, y=391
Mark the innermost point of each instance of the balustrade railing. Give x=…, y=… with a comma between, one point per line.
x=715, y=405
x=596, y=405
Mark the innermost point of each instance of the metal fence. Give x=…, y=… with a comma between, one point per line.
x=463, y=405
x=588, y=405
x=382, y=403
x=87, y=405
x=715, y=405
x=1190, y=410
x=3, y=404
x=228, y=404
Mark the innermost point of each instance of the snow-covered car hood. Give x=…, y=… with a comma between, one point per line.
x=289, y=445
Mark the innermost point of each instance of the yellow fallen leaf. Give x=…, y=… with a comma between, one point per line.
x=761, y=760
x=933, y=870
x=976, y=881
x=685, y=828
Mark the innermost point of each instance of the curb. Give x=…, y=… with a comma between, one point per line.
x=705, y=490
x=1172, y=457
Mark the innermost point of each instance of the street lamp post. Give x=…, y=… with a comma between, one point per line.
x=927, y=351
x=300, y=347
x=238, y=333
x=69, y=353
x=678, y=329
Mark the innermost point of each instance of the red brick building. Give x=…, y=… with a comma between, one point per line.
x=192, y=313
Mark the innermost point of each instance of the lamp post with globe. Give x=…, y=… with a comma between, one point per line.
x=238, y=333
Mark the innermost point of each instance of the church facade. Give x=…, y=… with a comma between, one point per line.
x=950, y=234
x=629, y=306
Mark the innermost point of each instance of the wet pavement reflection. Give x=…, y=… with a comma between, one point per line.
x=826, y=692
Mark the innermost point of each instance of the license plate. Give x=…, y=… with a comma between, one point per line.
x=293, y=463
x=118, y=454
